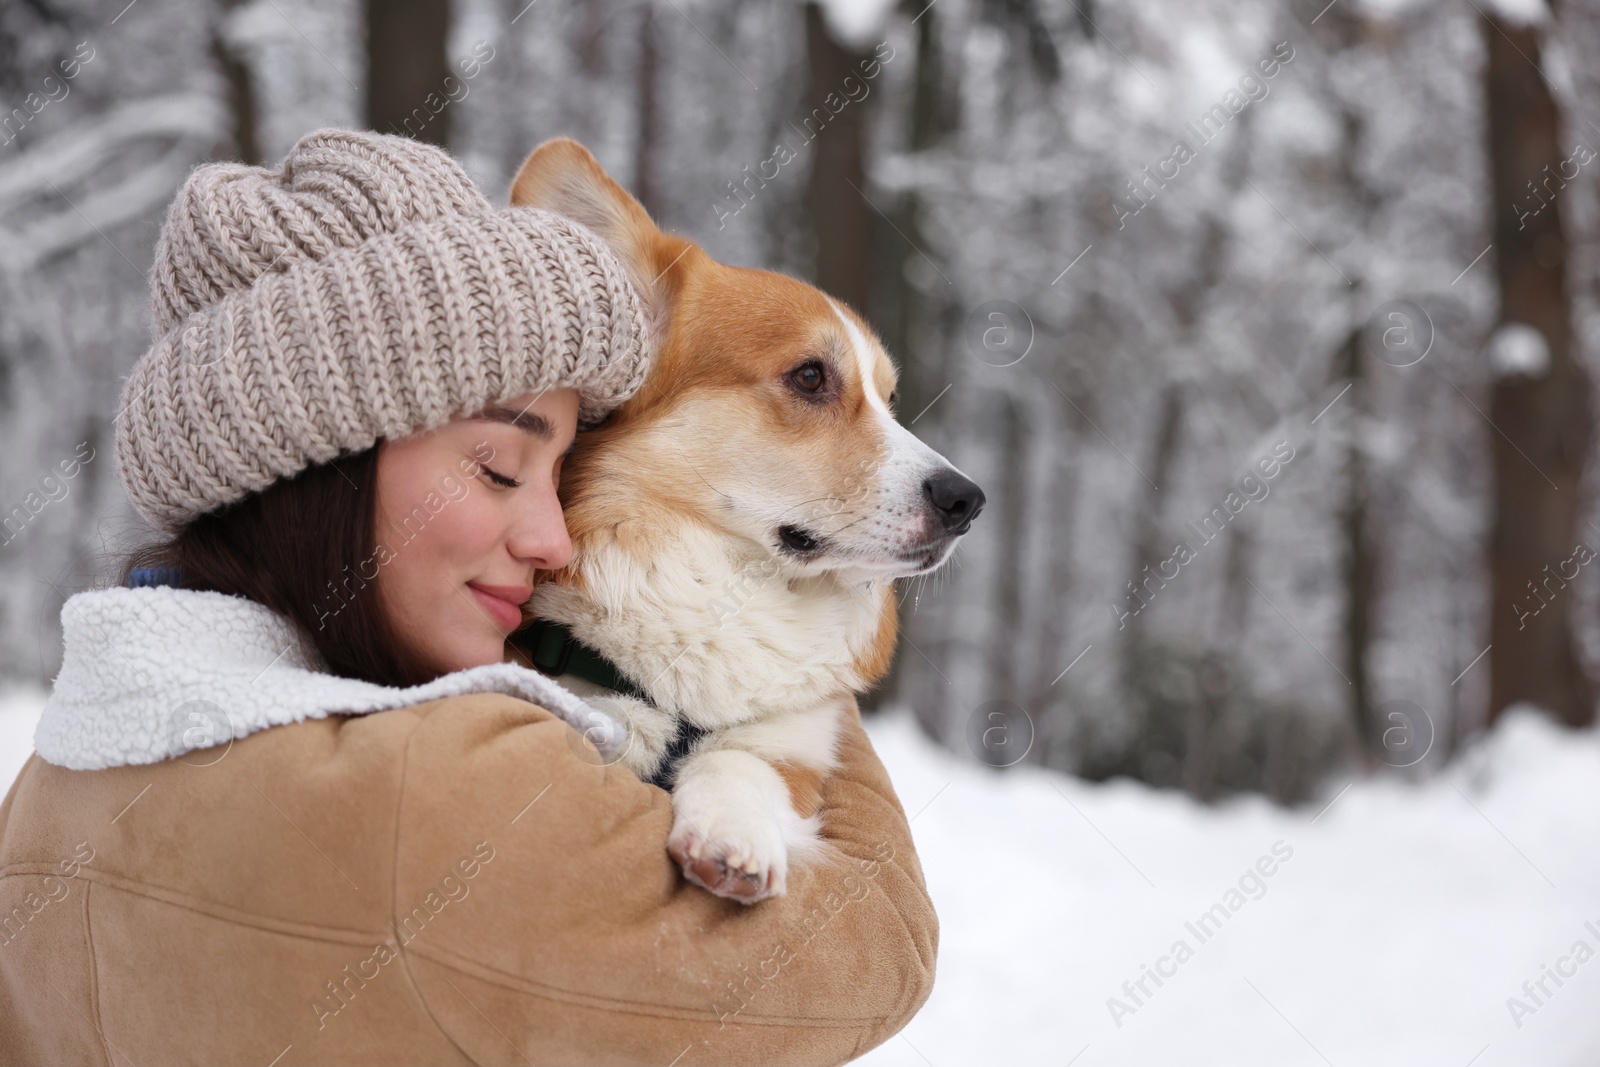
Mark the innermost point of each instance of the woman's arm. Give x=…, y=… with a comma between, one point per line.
x=566, y=934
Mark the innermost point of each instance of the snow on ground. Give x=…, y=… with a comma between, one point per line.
x=1396, y=922
x=1401, y=922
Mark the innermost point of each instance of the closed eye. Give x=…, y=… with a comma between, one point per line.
x=502, y=480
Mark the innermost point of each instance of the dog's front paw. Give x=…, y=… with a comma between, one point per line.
x=738, y=854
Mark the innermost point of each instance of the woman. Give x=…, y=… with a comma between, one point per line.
x=290, y=802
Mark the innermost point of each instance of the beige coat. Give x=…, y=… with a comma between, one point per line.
x=461, y=881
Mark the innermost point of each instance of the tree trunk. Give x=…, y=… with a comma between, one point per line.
x=1542, y=418
x=1053, y=639
x=842, y=222
x=1010, y=501
x=406, y=69
x=1358, y=564
x=645, y=161
x=244, y=143
x=1144, y=580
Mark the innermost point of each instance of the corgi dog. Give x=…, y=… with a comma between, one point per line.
x=737, y=528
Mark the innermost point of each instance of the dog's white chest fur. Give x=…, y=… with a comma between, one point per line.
x=718, y=638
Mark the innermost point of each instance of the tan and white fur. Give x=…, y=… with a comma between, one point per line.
x=737, y=533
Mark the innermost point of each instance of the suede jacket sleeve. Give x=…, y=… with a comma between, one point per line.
x=576, y=940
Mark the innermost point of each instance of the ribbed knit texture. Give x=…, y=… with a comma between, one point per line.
x=363, y=290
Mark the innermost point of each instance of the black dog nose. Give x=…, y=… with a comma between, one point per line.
x=956, y=499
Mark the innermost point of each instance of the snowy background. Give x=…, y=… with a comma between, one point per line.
x=1111, y=356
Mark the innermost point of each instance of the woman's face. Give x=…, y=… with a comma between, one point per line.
x=465, y=515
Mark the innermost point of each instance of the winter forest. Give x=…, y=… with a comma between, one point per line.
x=1268, y=328
x=1262, y=326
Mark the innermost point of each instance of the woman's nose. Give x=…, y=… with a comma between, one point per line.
x=539, y=533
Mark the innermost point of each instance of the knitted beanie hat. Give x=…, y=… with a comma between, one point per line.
x=363, y=290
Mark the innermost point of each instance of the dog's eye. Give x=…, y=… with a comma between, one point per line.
x=808, y=376
x=894, y=398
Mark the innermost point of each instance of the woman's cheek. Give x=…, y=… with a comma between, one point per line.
x=470, y=525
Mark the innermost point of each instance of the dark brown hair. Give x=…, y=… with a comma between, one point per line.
x=302, y=547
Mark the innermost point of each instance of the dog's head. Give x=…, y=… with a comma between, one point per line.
x=769, y=411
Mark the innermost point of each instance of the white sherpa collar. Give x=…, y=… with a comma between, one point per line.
x=156, y=672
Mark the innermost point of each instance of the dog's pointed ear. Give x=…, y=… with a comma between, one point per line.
x=563, y=177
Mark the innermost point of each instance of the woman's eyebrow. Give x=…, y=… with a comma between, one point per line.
x=527, y=421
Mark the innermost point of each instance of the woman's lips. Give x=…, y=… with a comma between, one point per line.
x=499, y=605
